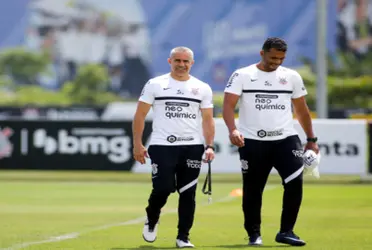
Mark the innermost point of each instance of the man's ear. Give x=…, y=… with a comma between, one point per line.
x=262, y=53
x=169, y=60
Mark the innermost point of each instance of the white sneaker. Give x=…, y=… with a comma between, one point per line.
x=184, y=244
x=149, y=234
x=255, y=241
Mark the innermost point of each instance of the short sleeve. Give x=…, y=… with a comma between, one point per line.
x=235, y=84
x=147, y=94
x=207, y=101
x=299, y=89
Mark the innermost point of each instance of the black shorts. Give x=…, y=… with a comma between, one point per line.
x=175, y=167
x=258, y=157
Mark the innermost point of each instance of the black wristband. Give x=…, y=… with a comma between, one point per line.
x=209, y=146
x=314, y=139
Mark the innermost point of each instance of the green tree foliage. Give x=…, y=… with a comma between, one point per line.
x=22, y=65
x=343, y=91
x=19, y=69
x=90, y=86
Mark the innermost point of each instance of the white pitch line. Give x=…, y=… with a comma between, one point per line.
x=135, y=221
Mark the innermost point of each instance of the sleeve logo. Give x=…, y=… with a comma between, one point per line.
x=231, y=80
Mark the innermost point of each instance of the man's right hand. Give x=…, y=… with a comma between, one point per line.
x=139, y=153
x=236, y=138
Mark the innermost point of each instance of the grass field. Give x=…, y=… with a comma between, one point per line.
x=84, y=211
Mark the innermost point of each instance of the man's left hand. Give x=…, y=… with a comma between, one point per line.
x=312, y=146
x=209, y=155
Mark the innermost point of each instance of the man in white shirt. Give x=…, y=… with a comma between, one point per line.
x=182, y=107
x=266, y=135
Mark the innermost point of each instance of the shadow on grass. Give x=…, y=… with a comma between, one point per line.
x=236, y=246
x=142, y=247
x=233, y=246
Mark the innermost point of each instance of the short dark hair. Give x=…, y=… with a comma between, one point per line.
x=274, y=43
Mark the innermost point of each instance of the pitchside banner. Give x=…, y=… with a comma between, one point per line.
x=99, y=145
x=77, y=145
x=343, y=145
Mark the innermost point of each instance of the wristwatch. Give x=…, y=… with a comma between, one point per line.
x=209, y=146
x=314, y=139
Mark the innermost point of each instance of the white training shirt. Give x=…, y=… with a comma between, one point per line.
x=265, y=111
x=176, y=109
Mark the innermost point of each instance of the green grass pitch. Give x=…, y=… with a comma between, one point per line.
x=101, y=210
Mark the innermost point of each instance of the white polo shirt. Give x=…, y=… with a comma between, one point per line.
x=265, y=111
x=176, y=109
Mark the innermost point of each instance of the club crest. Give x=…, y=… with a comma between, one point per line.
x=282, y=80
x=195, y=91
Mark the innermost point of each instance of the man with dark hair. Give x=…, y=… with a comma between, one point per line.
x=266, y=135
x=274, y=43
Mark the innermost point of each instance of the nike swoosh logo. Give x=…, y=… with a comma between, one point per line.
x=294, y=239
x=165, y=88
x=253, y=80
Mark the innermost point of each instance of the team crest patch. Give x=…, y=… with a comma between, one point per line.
x=282, y=80
x=195, y=91
x=244, y=164
x=154, y=167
